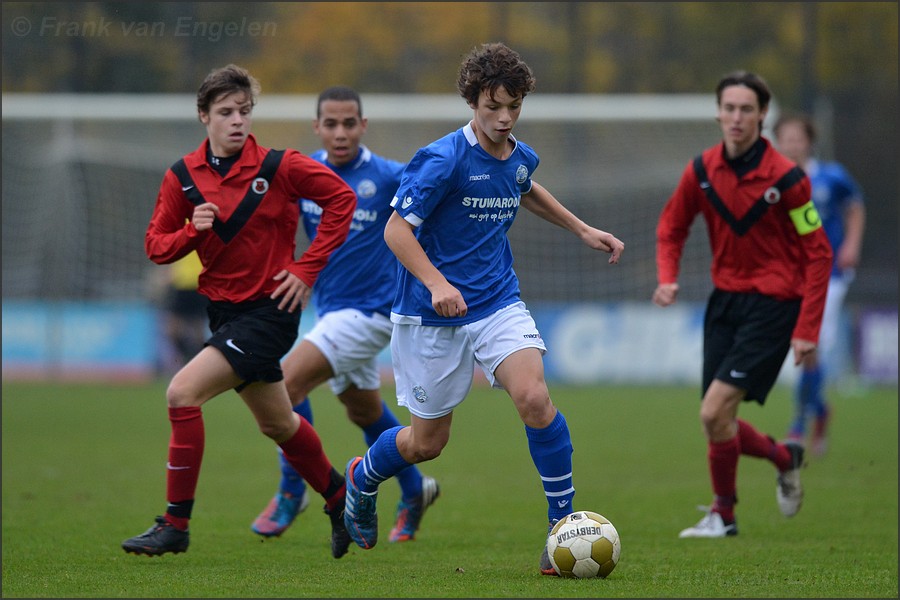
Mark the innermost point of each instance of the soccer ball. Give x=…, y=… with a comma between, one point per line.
x=584, y=544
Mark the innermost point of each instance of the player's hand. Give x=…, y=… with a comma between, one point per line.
x=204, y=215
x=847, y=257
x=803, y=350
x=447, y=301
x=292, y=290
x=665, y=294
x=605, y=242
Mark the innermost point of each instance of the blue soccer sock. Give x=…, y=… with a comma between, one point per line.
x=817, y=406
x=797, y=427
x=304, y=409
x=382, y=461
x=291, y=482
x=808, y=399
x=551, y=451
x=410, y=479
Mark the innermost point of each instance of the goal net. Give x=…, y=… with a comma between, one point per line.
x=81, y=174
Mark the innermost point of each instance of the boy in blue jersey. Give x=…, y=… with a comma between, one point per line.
x=839, y=202
x=353, y=298
x=457, y=301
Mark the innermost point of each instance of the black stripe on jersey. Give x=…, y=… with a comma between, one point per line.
x=742, y=225
x=226, y=230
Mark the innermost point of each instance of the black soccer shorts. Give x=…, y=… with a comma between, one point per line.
x=254, y=336
x=746, y=338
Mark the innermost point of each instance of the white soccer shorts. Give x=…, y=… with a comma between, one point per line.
x=434, y=366
x=351, y=341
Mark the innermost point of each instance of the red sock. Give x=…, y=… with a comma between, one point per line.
x=723, y=460
x=754, y=443
x=305, y=453
x=185, y=455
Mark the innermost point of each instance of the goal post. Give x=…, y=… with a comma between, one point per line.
x=387, y=107
x=81, y=174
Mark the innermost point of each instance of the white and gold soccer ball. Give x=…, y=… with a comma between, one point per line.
x=584, y=544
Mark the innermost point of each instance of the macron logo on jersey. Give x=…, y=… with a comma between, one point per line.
x=481, y=177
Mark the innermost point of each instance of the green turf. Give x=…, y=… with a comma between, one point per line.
x=83, y=469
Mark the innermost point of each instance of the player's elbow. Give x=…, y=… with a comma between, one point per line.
x=394, y=230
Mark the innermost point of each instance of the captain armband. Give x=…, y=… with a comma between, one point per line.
x=805, y=218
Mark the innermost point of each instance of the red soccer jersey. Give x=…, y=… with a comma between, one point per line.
x=780, y=255
x=242, y=268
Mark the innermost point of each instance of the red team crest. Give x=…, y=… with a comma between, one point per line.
x=260, y=185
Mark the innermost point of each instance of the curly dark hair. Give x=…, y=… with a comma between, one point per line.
x=490, y=66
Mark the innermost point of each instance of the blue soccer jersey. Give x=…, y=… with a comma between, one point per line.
x=833, y=189
x=362, y=272
x=462, y=201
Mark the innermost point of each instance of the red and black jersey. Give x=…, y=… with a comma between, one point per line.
x=763, y=239
x=254, y=235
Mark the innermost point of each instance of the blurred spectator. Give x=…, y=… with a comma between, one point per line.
x=184, y=318
x=839, y=202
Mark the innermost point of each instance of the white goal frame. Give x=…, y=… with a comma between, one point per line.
x=391, y=107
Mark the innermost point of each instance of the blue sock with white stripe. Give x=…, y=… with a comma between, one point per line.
x=410, y=479
x=381, y=462
x=551, y=451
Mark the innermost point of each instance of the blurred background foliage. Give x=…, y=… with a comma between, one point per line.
x=804, y=49
x=837, y=60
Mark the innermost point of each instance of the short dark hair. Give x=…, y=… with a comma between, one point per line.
x=490, y=66
x=748, y=80
x=340, y=93
x=802, y=119
x=223, y=82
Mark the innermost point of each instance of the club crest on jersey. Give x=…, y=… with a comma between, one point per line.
x=772, y=195
x=260, y=185
x=420, y=394
x=521, y=174
x=366, y=188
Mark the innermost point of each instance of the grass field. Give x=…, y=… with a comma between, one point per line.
x=83, y=470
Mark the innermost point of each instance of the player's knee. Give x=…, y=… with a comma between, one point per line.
x=279, y=430
x=364, y=407
x=427, y=448
x=364, y=415
x=180, y=395
x=535, y=408
x=716, y=425
x=425, y=453
x=297, y=390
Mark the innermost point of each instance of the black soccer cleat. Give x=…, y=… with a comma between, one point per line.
x=163, y=537
x=340, y=539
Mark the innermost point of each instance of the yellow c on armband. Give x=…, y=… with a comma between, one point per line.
x=806, y=218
